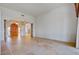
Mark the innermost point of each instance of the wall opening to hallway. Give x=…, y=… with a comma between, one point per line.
x=16, y=30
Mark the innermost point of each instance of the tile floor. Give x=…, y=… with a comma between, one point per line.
x=36, y=46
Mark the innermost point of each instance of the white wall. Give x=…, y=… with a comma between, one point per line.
x=59, y=24
x=14, y=15
x=77, y=41
x=0, y=28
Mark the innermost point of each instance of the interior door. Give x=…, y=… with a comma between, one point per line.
x=14, y=30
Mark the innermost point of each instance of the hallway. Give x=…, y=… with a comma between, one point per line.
x=37, y=46
x=39, y=29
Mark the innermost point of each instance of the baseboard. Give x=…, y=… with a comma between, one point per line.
x=72, y=44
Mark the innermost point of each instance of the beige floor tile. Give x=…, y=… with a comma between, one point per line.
x=37, y=46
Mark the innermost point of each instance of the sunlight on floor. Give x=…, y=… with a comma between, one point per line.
x=36, y=46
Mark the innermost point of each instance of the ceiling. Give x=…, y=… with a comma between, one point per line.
x=34, y=9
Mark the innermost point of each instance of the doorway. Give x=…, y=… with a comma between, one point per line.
x=13, y=30
x=29, y=30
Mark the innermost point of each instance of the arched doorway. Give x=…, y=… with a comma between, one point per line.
x=13, y=30
x=29, y=30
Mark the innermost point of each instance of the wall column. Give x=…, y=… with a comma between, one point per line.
x=77, y=14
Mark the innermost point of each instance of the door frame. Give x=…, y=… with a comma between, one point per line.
x=5, y=30
x=32, y=30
